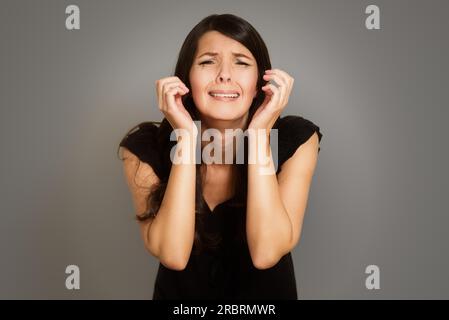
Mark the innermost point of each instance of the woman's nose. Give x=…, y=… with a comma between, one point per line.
x=224, y=74
x=224, y=78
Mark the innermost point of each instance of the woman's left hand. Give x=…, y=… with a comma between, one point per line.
x=276, y=98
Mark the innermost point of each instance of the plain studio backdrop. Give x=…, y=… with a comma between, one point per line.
x=380, y=98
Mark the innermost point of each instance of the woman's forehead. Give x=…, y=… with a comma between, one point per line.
x=215, y=42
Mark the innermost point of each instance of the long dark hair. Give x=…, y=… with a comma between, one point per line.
x=240, y=30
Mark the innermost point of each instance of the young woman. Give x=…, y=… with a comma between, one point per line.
x=222, y=230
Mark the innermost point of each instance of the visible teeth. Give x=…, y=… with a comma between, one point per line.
x=234, y=95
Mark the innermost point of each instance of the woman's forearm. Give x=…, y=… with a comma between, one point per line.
x=171, y=234
x=268, y=226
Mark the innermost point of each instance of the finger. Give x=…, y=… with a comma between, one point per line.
x=175, y=81
x=158, y=94
x=170, y=85
x=284, y=75
x=282, y=85
x=287, y=83
x=160, y=84
x=167, y=79
x=170, y=97
x=281, y=81
x=270, y=89
x=273, y=92
x=279, y=72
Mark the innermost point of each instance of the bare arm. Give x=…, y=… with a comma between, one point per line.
x=276, y=205
x=168, y=236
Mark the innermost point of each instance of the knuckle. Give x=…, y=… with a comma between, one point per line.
x=167, y=90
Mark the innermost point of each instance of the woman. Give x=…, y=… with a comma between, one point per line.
x=222, y=230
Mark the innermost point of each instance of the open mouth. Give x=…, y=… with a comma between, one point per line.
x=224, y=96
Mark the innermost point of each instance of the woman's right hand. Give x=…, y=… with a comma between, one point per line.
x=169, y=93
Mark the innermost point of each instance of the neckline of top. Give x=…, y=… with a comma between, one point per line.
x=212, y=211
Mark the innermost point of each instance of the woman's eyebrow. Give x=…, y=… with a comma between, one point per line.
x=236, y=54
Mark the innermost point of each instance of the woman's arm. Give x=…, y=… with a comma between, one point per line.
x=169, y=235
x=276, y=205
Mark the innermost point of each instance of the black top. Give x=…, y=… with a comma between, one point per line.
x=226, y=272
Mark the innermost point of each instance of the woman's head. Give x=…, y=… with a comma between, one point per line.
x=223, y=53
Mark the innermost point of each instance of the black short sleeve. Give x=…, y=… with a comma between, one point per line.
x=144, y=144
x=293, y=131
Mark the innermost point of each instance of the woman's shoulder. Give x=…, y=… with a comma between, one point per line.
x=294, y=129
x=142, y=140
x=297, y=126
x=292, y=132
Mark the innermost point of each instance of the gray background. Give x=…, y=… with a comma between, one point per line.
x=380, y=97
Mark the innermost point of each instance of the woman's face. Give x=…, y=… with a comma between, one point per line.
x=223, y=77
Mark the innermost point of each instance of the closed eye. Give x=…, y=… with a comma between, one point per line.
x=210, y=61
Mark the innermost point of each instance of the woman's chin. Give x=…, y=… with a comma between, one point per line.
x=225, y=114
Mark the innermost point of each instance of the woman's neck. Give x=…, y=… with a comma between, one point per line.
x=218, y=140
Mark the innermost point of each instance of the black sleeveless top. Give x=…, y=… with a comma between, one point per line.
x=226, y=272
